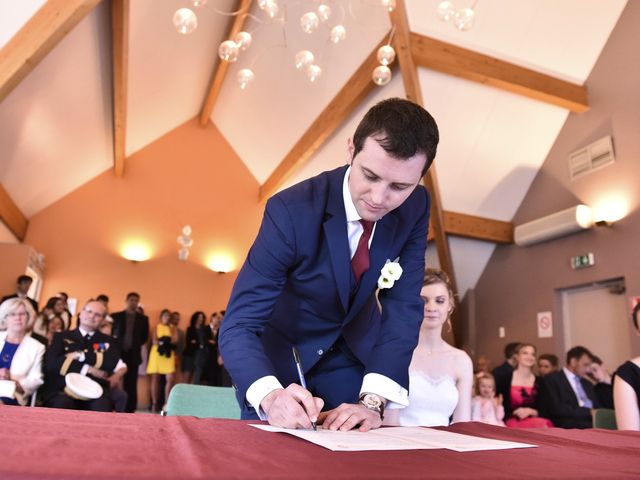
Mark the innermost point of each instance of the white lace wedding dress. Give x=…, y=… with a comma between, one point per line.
x=431, y=402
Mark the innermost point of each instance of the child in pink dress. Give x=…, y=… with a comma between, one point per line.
x=485, y=406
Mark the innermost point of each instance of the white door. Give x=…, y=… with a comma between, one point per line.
x=597, y=318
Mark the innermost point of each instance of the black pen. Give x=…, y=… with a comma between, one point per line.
x=296, y=357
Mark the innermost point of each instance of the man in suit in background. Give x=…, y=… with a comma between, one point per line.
x=66, y=314
x=83, y=350
x=131, y=329
x=501, y=372
x=567, y=398
x=23, y=283
x=311, y=276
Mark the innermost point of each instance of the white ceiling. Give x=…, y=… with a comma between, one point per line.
x=57, y=122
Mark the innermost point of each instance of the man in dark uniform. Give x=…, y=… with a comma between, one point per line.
x=84, y=350
x=131, y=329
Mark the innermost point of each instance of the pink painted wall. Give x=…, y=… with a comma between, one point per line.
x=519, y=282
x=189, y=176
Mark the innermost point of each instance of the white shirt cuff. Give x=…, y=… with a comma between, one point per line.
x=396, y=395
x=84, y=369
x=260, y=389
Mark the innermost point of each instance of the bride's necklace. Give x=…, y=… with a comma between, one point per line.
x=435, y=350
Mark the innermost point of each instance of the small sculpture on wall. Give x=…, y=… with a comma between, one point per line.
x=185, y=241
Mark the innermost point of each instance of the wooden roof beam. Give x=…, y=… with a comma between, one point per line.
x=37, y=38
x=343, y=104
x=446, y=58
x=477, y=228
x=402, y=42
x=11, y=215
x=220, y=70
x=120, y=39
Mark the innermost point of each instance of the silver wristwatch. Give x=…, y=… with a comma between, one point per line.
x=373, y=402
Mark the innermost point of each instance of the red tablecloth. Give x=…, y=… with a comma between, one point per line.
x=43, y=443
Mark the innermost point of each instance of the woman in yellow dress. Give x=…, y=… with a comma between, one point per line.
x=162, y=357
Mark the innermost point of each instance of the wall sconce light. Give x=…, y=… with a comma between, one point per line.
x=552, y=226
x=136, y=251
x=220, y=263
x=610, y=210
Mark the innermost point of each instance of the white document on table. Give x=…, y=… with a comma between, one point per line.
x=396, y=438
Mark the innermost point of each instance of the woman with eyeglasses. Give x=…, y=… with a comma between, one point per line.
x=520, y=390
x=20, y=355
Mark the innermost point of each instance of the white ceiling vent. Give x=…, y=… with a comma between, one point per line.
x=591, y=157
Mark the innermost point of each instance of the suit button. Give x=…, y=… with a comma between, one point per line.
x=320, y=352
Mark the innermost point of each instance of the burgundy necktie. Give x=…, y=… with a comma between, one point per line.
x=360, y=260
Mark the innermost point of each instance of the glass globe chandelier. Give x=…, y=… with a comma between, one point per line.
x=463, y=18
x=321, y=17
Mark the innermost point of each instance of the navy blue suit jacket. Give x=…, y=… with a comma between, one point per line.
x=295, y=288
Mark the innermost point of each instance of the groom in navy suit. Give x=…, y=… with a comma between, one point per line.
x=310, y=281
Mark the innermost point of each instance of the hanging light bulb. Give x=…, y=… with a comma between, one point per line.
x=446, y=10
x=386, y=55
x=313, y=72
x=270, y=7
x=228, y=51
x=198, y=3
x=338, y=34
x=381, y=75
x=243, y=40
x=324, y=12
x=464, y=19
x=309, y=22
x=389, y=4
x=185, y=21
x=304, y=58
x=245, y=77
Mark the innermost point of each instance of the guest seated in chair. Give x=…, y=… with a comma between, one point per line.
x=520, y=392
x=20, y=355
x=547, y=363
x=567, y=397
x=602, y=381
x=626, y=387
x=510, y=362
x=486, y=407
x=440, y=376
x=84, y=350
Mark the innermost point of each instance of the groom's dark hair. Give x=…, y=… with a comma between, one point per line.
x=401, y=127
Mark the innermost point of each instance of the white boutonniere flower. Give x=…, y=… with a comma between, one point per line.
x=391, y=271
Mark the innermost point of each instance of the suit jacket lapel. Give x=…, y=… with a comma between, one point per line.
x=569, y=392
x=378, y=255
x=335, y=230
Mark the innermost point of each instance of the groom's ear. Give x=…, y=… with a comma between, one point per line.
x=350, y=149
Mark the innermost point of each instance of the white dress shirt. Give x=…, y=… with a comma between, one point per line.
x=572, y=378
x=81, y=356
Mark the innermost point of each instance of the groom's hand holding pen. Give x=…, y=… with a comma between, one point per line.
x=294, y=406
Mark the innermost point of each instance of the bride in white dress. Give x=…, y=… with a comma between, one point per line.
x=440, y=376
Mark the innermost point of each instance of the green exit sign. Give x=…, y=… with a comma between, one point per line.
x=583, y=261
